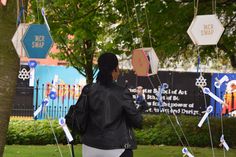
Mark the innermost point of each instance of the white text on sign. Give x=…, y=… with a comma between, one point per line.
x=38, y=42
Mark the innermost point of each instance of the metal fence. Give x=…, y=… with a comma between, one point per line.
x=28, y=99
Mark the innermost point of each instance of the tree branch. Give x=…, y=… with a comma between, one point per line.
x=231, y=20
x=68, y=54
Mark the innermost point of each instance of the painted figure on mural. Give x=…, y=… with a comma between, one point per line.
x=230, y=99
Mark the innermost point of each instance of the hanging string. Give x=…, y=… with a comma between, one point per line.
x=52, y=129
x=176, y=118
x=178, y=135
x=17, y=12
x=208, y=122
x=149, y=31
x=51, y=126
x=209, y=128
x=23, y=10
x=198, y=61
x=221, y=116
x=137, y=20
x=37, y=5
x=127, y=11
x=196, y=2
x=177, y=121
x=139, y=36
x=213, y=6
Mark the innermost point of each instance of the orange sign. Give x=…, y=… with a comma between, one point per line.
x=140, y=62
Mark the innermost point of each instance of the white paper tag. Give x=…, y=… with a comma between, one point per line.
x=186, y=152
x=208, y=111
x=207, y=91
x=223, y=142
x=62, y=123
x=31, y=78
x=41, y=107
x=55, y=82
x=45, y=19
x=218, y=83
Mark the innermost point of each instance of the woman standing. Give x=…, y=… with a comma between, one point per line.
x=112, y=114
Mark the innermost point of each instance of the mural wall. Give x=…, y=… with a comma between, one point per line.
x=181, y=97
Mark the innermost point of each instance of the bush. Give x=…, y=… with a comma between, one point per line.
x=157, y=129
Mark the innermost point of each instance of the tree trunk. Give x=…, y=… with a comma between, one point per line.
x=89, y=75
x=9, y=66
x=89, y=61
x=233, y=60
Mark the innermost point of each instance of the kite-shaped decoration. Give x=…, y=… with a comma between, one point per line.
x=145, y=61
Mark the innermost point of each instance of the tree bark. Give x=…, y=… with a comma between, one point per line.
x=9, y=66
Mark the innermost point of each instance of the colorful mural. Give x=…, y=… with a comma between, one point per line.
x=68, y=88
x=226, y=92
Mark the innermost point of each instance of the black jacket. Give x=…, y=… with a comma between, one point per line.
x=112, y=115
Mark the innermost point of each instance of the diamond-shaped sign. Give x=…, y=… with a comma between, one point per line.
x=205, y=30
x=16, y=40
x=37, y=41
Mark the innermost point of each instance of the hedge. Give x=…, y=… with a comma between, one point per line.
x=157, y=129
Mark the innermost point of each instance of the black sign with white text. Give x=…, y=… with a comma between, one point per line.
x=182, y=95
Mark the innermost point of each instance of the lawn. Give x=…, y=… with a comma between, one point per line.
x=142, y=151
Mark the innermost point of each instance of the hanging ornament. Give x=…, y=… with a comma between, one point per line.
x=4, y=2
x=207, y=112
x=159, y=94
x=53, y=93
x=62, y=123
x=205, y=30
x=223, y=143
x=45, y=19
x=201, y=82
x=32, y=64
x=145, y=61
x=24, y=74
x=218, y=82
x=45, y=102
x=212, y=95
x=16, y=40
x=186, y=152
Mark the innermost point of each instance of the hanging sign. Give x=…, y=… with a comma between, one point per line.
x=145, y=61
x=4, y=2
x=37, y=41
x=205, y=30
x=16, y=40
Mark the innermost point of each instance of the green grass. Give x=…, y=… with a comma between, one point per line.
x=142, y=151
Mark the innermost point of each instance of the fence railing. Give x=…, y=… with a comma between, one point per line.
x=27, y=100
